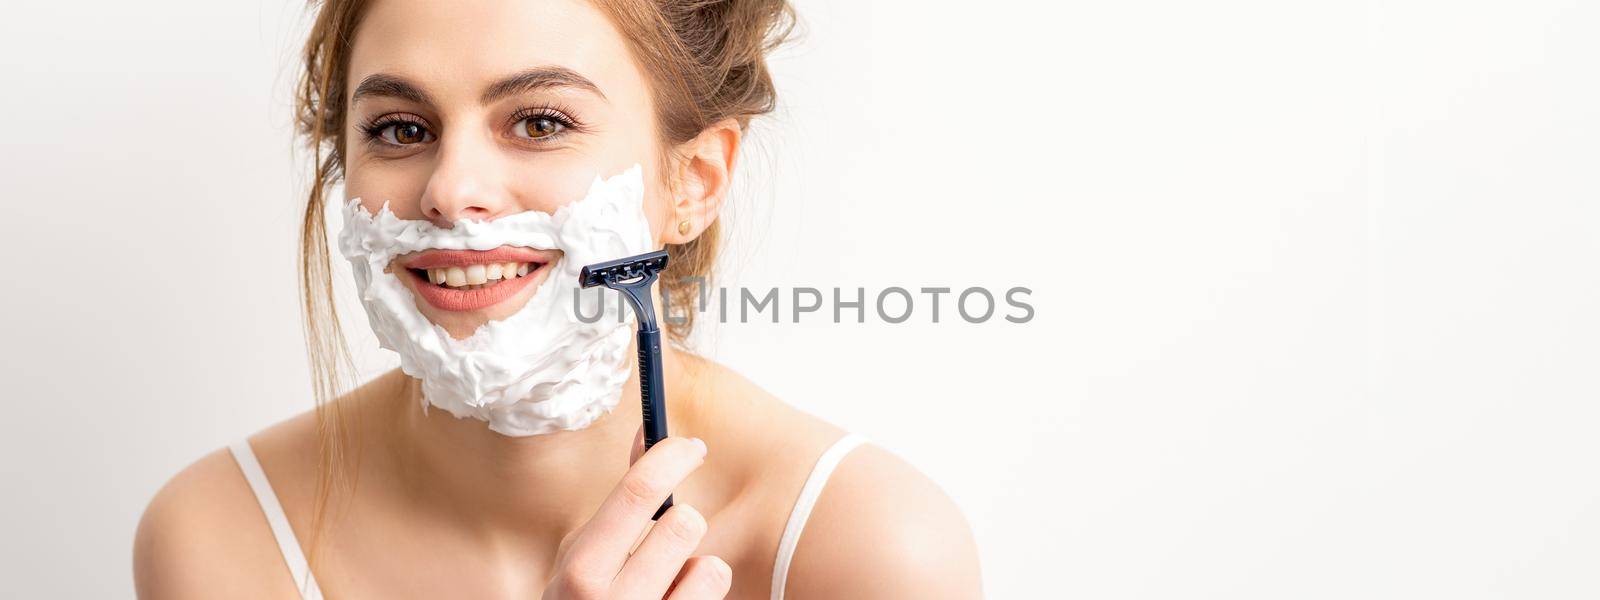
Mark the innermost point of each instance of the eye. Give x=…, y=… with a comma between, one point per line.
x=395, y=130
x=405, y=133
x=538, y=127
x=544, y=124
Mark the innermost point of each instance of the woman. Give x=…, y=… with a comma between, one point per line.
x=505, y=112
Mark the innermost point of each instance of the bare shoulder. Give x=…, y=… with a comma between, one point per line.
x=750, y=430
x=204, y=536
x=881, y=529
x=726, y=407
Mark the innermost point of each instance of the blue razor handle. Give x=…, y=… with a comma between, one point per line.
x=652, y=397
x=633, y=276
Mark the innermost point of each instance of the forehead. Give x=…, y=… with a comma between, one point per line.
x=454, y=47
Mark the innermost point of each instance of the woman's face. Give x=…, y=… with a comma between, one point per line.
x=479, y=110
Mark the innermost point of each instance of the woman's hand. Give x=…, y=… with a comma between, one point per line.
x=594, y=561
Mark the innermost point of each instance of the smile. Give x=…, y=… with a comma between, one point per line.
x=465, y=280
x=474, y=277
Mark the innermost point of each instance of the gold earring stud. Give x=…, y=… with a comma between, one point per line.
x=683, y=227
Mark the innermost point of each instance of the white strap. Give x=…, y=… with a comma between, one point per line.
x=287, y=544
x=802, y=507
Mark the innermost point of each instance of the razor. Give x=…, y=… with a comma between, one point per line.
x=633, y=276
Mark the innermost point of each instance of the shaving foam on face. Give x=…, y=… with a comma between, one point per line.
x=540, y=370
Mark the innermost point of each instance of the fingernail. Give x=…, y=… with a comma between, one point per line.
x=699, y=442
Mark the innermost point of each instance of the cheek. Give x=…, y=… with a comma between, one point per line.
x=657, y=203
x=376, y=182
x=545, y=183
x=553, y=181
x=548, y=182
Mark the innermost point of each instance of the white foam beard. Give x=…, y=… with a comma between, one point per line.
x=540, y=370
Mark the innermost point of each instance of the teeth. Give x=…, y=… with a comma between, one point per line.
x=472, y=277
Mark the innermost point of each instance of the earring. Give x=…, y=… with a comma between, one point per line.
x=683, y=227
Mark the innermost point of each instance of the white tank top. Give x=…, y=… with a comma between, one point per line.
x=289, y=546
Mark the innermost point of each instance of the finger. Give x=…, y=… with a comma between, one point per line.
x=703, y=578
x=638, y=445
x=567, y=541
x=625, y=512
x=639, y=539
x=661, y=555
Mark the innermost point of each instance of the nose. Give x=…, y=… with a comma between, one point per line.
x=468, y=183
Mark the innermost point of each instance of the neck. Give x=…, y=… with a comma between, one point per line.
x=539, y=486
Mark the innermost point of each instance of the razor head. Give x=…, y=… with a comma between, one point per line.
x=642, y=267
x=632, y=276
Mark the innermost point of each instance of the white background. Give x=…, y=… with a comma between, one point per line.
x=1315, y=282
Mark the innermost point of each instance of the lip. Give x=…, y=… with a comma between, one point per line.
x=435, y=259
x=454, y=300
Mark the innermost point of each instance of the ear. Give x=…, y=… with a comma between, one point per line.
x=704, y=175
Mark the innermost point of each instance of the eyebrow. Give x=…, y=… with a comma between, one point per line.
x=539, y=78
x=389, y=86
x=383, y=85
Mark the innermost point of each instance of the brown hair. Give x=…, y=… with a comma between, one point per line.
x=706, y=62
